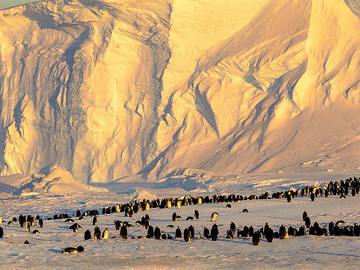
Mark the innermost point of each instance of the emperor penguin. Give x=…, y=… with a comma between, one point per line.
x=87, y=235
x=97, y=233
x=256, y=238
x=186, y=235
x=179, y=203
x=95, y=220
x=214, y=216
x=72, y=250
x=196, y=214
x=105, y=234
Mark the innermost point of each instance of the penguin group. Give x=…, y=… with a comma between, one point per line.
x=343, y=189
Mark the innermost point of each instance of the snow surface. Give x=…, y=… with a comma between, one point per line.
x=309, y=252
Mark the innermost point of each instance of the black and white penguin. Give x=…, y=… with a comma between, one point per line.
x=97, y=233
x=69, y=220
x=304, y=215
x=157, y=233
x=75, y=227
x=192, y=232
x=256, y=238
x=301, y=231
x=150, y=232
x=87, y=235
x=229, y=234
x=178, y=233
x=21, y=221
x=291, y=231
x=186, y=235
x=27, y=226
x=174, y=217
x=307, y=222
x=214, y=216
x=95, y=220
x=228, y=205
x=105, y=234
x=233, y=228
x=72, y=250
x=283, y=233
x=1, y=232
x=269, y=234
x=214, y=232
x=117, y=224
x=123, y=232
x=206, y=233
x=41, y=223
x=196, y=214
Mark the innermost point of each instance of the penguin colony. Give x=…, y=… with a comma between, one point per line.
x=349, y=187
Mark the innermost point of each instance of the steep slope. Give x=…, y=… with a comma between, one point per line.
x=109, y=89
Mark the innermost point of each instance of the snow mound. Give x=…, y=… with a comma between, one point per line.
x=57, y=181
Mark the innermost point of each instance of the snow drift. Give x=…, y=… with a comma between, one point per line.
x=109, y=89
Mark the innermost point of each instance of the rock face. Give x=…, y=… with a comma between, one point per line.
x=109, y=89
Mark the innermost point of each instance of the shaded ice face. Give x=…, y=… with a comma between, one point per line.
x=10, y=3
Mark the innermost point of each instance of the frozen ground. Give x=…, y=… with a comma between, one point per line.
x=309, y=252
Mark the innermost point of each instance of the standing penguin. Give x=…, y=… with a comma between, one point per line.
x=206, y=233
x=21, y=221
x=186, y=235
x=150, y=232
x=192, y=232
x=301, y=231
x=256, y=238
x=1, y=232
x=307, y=222
x=269, y=234
x=105, y=234
x=41, y=223
x=97, y=233
x=95, y=220
x=233, y=228
x=178, y=233
x=304, y=215
x=179, y=203
x=117, y=224
x=283, y=234
x=197, y=214
x=214, y=232
x=174, y=217
x=157, y=233
x=123, y=232
x=27, y=226
x=87, y=235
x=312, y=196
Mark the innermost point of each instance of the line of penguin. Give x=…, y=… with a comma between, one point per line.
x=341, y=188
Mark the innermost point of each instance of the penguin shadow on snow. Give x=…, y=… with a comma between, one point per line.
x=55, y=250
x=237, y=241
